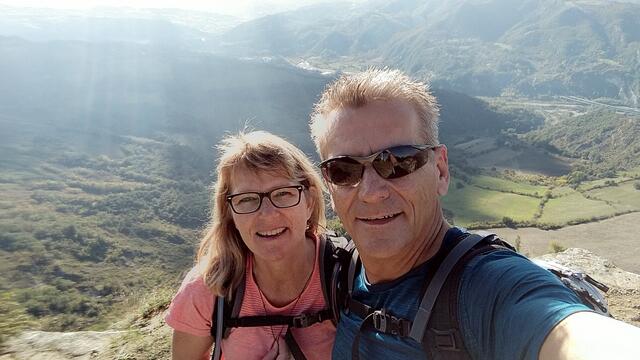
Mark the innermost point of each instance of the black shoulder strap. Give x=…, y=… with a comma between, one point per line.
x=442, y=337
x=218, y=329
x=294, y=348
x=336, y=254
x=222, y=312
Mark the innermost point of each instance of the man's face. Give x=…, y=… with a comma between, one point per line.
x=386, y=218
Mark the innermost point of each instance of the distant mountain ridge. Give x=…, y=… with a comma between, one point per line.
x=586, y=48
x=532, y=47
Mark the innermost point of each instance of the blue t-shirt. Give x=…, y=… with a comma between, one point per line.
x=507, y=305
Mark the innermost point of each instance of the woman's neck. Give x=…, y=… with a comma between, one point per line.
x=282, y=281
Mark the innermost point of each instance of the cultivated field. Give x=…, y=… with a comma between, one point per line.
x=472, y=204
x=487, y=201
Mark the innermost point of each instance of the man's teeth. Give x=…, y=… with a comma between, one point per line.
x=380, y=217
x=273, y=232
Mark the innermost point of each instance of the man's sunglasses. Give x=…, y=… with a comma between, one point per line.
x=390, y=163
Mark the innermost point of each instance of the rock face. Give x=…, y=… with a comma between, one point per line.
x=41, y=345
x=624, y=287
x=151, y=338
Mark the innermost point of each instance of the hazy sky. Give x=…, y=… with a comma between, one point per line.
x=240, y=8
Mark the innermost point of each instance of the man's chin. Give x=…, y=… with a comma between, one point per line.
x=378, y=250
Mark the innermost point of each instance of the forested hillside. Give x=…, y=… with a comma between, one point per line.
x=532, y=48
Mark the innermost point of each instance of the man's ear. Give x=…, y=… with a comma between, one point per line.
x=442, y=164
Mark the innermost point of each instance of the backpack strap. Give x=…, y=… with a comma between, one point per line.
x=223, y=311
x=218, y=320
x=297, y=321
x=438, y=308
x=294, y=348
x=337, y=254
x=421, y=319
x=443, y=337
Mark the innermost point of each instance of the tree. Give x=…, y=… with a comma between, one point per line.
x=508, y=222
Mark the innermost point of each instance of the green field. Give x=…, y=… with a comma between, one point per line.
x=590, y=185
x=497, y=184
x=624, y=196
x=562, y=191
x=575, y=208
x=472, y=204
x=488, y=200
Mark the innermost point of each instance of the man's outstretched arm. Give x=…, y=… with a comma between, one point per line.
x=587, y=335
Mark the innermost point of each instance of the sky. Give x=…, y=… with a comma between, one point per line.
x=239, y=8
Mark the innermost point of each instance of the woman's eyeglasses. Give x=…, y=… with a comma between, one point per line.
x=249, y=202
x=390, y=163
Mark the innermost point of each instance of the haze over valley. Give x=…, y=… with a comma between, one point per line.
x=109, y=118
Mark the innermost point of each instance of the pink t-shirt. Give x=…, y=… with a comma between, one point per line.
x=192, y=307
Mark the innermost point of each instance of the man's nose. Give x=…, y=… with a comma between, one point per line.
x=372, y=187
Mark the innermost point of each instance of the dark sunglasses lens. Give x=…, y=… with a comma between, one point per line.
x=343, y=171
x=400, y=161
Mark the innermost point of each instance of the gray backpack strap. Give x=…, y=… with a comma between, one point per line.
x=421, y=319
x=217, y=345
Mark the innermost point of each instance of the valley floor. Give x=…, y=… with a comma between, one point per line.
x=617, y=239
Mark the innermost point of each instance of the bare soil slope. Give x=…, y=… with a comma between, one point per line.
x=616, y=239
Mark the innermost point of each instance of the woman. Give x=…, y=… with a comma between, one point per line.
x=268, y=209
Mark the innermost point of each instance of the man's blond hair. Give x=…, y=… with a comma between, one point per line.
x=359, y=89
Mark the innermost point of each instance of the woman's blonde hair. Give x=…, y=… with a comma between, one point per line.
x=222, y=253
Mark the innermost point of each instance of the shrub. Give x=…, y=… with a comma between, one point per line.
x=336, y=225
x=508, y=222
x=556, y=248
x=518, y=243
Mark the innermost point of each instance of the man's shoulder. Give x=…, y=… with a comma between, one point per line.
x=500, y=264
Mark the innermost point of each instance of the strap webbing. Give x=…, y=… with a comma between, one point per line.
x=294, y=348
x=355, y=346
x=298, y=321
x=421, y=319
x=217, y=345
x=381, y=320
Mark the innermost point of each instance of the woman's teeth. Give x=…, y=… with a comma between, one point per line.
x=273, y=232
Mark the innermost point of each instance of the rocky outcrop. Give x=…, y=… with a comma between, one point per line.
x=42, y=345
x=624, y=287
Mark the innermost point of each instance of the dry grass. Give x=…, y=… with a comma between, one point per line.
x=615, y=239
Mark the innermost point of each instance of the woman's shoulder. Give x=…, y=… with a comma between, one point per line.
x=193, y=282
x=191, y=308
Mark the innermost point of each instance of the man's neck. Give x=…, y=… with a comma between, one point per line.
x=388, y=269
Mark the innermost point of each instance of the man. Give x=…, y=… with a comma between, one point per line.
x=377, y=135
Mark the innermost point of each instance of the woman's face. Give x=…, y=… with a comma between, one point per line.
x=270, y=233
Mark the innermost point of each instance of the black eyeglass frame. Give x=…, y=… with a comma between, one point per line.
x=368, y=160
x=262, y=195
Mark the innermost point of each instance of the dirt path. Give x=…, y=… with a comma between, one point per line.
x=617, y=239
